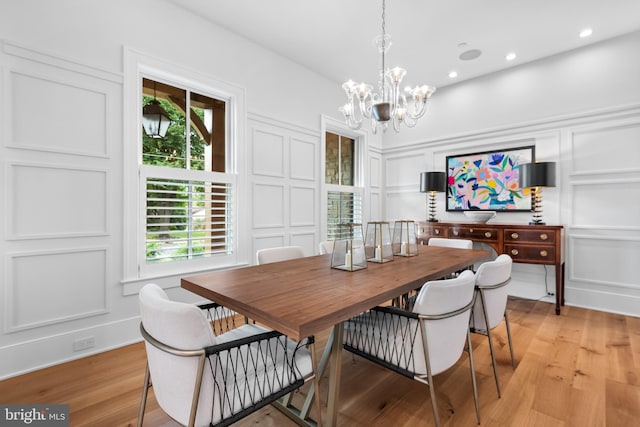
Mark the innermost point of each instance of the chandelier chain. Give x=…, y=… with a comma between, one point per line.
x=383, y=43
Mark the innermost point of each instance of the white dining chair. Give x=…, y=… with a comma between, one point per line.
x=490, y=304
x=451, y=243
x=421, y=343
x=200, y=378
x=326, y=247
x=269, y=255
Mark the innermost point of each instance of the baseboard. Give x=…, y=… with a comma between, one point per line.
x=48, y=351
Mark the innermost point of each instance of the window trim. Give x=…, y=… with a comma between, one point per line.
x=136, y=66
x=329, y=124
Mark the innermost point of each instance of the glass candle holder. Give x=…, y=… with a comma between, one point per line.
x=404, y=238
x=377, y=242
x=348, y=251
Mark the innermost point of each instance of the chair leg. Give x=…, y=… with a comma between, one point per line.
x=145, y=393
x=493, y=362
x=493, y=356
x=473, y=376
x=432, y=391
x=506, y=321
x=434, y=402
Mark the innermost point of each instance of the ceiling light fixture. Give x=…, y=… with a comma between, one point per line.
x=453, y=74
x=586, y=33
x=389, y=105
x=510, y=56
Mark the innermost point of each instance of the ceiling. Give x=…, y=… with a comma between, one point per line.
x=335, y=37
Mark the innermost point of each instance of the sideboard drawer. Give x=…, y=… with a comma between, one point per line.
x=475, y=233
x=436, y=231
x=424, y=232
x=530, y=236
x=531, y=253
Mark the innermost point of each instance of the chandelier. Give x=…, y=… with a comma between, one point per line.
x=389, y=104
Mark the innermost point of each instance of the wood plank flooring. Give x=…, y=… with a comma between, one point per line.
x=581, y=368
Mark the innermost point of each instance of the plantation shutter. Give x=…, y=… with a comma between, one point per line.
x=188, y=214
x=343, y=207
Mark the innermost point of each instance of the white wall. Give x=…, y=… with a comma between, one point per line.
x=63, y=188
x=581, y=110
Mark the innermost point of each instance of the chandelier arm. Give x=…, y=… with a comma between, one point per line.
x=419, y=113
x=409, y=121
x=396, y=124
x=365, y=109
x=353, y=120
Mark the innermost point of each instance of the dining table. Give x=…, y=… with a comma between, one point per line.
x=303, y=297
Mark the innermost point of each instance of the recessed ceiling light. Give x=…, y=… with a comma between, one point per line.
x=453, y=74
x=586, y=33
x=510, y=56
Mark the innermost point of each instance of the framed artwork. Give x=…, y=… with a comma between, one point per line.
x=488, y=181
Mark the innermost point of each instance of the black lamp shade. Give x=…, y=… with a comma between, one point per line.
x=432, y=181
x=541, y=174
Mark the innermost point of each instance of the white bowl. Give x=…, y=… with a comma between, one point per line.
x=479, y=216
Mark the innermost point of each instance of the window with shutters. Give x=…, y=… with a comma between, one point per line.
x=186, y=190
x=344, y=195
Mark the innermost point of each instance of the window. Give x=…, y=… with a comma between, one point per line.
x=344, y=198
x=185, y=185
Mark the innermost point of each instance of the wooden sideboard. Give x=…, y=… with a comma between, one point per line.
x=530, y=244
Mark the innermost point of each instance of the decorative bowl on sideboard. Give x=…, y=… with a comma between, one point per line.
x=479, y=216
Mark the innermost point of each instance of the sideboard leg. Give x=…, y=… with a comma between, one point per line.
x=559, y=286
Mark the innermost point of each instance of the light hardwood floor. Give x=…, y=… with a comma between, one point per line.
x=581, y=368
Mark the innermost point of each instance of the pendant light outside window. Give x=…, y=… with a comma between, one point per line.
x=155, y=120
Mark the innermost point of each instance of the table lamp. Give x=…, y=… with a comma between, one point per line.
x=536, y=176
x=432, y=182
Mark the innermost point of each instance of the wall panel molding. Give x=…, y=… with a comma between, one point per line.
x=608, y=251
x=268, y=205
x=75, y=105
x=35, y=281
x=303, y=158
x=56, y=201
x=267, y=153
x=303, y=211
x=592, y=202
x=38, y=120
x=56, y=60
x=595, y=141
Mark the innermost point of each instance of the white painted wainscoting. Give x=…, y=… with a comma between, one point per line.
x=60, y=167
x=284, y=181
x=597, y=199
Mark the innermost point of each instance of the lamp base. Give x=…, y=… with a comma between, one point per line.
x=432, y=220
x=537, y=223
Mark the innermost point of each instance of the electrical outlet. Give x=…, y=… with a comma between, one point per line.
x=84, y=343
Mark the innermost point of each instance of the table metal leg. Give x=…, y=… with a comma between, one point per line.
x=334, y=376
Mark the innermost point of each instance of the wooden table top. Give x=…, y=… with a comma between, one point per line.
x=305, y=296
